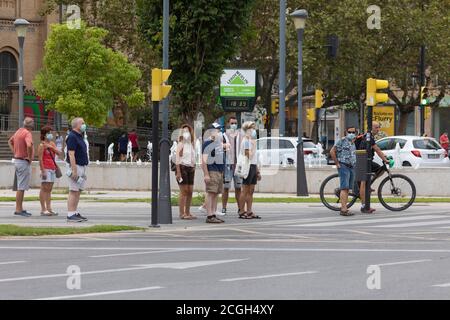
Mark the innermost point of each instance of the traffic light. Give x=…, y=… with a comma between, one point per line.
x=319, y=99
x=333, y=45
x=423, y=96
x=311, y=114
x=160, y=90
x=275, y=106
x=373, y=97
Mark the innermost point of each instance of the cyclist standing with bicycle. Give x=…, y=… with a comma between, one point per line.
x=360, y=143
x=343, y=154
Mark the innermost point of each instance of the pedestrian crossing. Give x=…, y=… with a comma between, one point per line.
x=441, y=221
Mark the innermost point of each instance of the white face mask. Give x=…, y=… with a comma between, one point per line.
x=233, y=126
x=186, y=135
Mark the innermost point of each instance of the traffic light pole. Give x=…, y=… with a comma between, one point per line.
x=155, y=162
x=369, y=159
x=422, y=84
x=165, y=206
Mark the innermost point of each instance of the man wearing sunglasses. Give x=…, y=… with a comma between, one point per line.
x=343, y=154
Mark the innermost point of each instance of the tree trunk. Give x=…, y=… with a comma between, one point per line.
x=403, y=123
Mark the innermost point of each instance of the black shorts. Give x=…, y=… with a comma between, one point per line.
x=135, y=149
x=187, y=174
x=375, y=166
x=252, y=176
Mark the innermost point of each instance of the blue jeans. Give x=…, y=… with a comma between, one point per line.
x=346, y=177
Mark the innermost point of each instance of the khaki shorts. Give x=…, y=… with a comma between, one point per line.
x=215, y=184
x=78, y=185
x=22, y=175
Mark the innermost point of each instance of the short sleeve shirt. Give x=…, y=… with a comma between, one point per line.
x=75, y=142
x=21, y=139
x=214, y=151
x=346, y=151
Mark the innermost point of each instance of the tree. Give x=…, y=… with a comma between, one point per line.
x=204, y=36
x=391, y=52
x=119, y=18
x=81, y=77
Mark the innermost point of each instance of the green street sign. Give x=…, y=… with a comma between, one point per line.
x=238, y=83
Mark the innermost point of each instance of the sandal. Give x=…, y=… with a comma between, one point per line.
x=192, y=216
x=243, y=215
x=251, y=215
x=187, y=217
x=346, y=213
x=53, y=213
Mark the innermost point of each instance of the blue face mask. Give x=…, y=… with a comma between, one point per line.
x=233, y=126
x=351, y=136
x=83, y=128
x=49, y=137
x=254, y=135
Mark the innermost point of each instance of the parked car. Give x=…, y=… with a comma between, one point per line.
x=282, y=150
x=414, y=151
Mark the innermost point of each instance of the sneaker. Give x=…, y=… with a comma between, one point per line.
x=213, y=219
x=74, y=218
x=224, y=211
x=221, y=214
x=81, y=217
x=24, y=213
x=370, y=210
x=202, y=209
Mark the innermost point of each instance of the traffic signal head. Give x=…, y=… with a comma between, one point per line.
x=423, y=96
x=333, y=45
x=275, y=106
x=159, y=89
x=319, y=99
x=311, y=114
x=373, y=97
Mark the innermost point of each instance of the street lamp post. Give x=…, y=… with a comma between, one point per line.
x=299, y=17
x=282, y=77
x=21, y=26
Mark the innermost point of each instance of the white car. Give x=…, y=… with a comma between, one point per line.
x=282, y=150
x=414, y=151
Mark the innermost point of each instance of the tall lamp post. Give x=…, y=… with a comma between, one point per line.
x=21, y=26
x=299, y=17
x=282, y=76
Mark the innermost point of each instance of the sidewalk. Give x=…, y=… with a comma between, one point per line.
x=105, y=194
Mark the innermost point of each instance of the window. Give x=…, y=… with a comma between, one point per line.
x=308, y=144
x=386, y=144
x=8, y=69
x=427, y=144
x=263, y=144
x=286, y=144
x=401, y=142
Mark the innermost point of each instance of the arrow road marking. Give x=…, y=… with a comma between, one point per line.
x=175, y=265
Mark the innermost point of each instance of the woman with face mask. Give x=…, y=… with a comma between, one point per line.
x=185, y=170
x=47, y=152
x=248, y=148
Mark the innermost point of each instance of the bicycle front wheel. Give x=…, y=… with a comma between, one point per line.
x=397, y=192
x=330, y=193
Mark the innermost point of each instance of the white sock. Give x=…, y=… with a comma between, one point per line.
x=70, y=214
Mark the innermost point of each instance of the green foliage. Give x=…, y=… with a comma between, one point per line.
x=82, y=77
x=204, y=36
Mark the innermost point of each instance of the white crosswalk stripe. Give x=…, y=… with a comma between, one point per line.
x=392, y=222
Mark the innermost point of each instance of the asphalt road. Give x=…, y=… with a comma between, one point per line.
x=297, y=251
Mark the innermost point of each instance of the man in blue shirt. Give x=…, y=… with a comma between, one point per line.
x=77, y=162
x=213, y=166
x=343, y=154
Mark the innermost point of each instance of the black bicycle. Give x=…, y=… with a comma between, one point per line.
x=396, y=192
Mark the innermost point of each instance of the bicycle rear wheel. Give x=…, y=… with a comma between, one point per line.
x=330, y=193
x=397, y=192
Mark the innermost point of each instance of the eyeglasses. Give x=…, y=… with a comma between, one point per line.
x=351, y=131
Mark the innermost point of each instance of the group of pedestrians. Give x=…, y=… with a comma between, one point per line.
x=49, y=149
x=343, y=154
x=227, y=157
x=123, y=145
